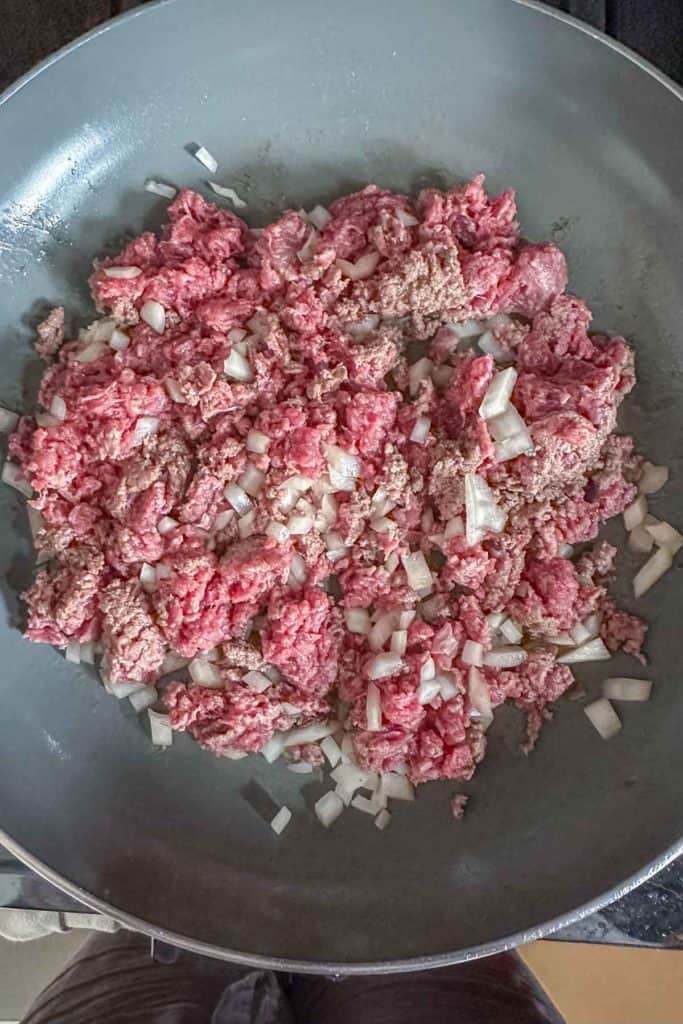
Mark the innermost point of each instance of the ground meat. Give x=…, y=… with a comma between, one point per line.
x=458, y=805
x=198, y=460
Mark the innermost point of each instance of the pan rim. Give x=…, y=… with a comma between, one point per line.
x=335, y=967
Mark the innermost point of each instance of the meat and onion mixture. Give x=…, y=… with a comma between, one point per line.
x=325, y=479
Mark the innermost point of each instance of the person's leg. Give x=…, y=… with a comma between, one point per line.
x=495, y=990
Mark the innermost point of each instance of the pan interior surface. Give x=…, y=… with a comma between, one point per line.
x=300, y=102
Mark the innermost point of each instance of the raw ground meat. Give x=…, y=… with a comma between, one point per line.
x=240, y=514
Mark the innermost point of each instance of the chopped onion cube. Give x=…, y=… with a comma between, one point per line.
x=480, y=697
x=158, y=188
x=498, y=394
x=143, y=699
x=237, y=367
x=367, y=806
x=580, y=634
x=381, y=631
x=257, y=681
x=119, y=340
x=635, y=513
x=511, y=631
x=154, y=314
x=665, y=536
x=566, y=550
x=428, y=669
x=399, y=641
x=88, y=652
x=421, y=429
x=12, y=475
x=251, y=480
x=641, y=540
x=344, y=468
x=278, y=531
x=490, y=346
x=373, y=708
x=507, y=425
x=145, y=427
x=391, y=563
x=227, y=193
x=223, y=519
x=300, y=525
x=383, y=820
x=519, y=444
x=359, y=328
x=274, y=748
x=8, y=420
x=481, y=511
x=384, y=665
x=396, y=787
x=58, y=408
x=246, y=525
x=320, y=217
x=281, y=820
x=472, y=653
x=297, y=570
x=257, y=442
x=301, y=767
x=328, y=808
x=350, y=777
x=447, y=685
x=428, y=690
x=419, y=371
x=331, y=751
x=203, y=673
x=652, y=478
x=621, y=688
x=362, y=268
x=238, y=498
x=602, y=715
x=122, y=690
x=148, y=577
x=202, y=154
x=357, y=620
x=495, y=619
x=173, y=662
x=455, y=527
x=418, y=572
x=166, y=524
x=72, y=652
x=652, y=571
x=406, y=219
x=468, y=329
x=505, y=657
x=310, y=733
x=160, y=728
x=592, y=650
x=123, y=273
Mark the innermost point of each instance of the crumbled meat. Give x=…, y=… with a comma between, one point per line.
x=50, y=334
x=133, y=645
x=458, y=805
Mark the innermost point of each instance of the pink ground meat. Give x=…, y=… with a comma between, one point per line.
x=162, y=431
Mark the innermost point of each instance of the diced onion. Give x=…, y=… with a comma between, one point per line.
x=641, y=540
x=505, y=657
x=383, y=819
x=495, y=619
x=223, y=519
x=508, y=424
x=652, y=478
x=148, y=577
x=145, y=427
x=58, y=408
x=158, y=188
x=237, y=497
x=519, y=444
x=381, y=631
x=281, y=820
x=455, y=527
x=490, y=345
x=274, y=748
x=91, y=352
x=8, y=420
x=472, y=653
x=396, y=787
x=481, y=511
x=237, y=367
x=391, y=563
x=367, y=806
x=511, y=631
x=665, y=536
x=320, y=217
x=166, y=524
x=310, y=733
x=418, y=572
x=73, y=652
x=12, y=475
x=359, y=328
x=88, y=652
x=635, y=513
x=419, y=371
x=428, y=669
x=652, y=571
x=357, y=620
x=300, y=767
x=497, y=396
x=566, y=550
x=344, y=468
x=350, y=777
x=257, y=681
x=373, y=708
x=119, y=340
x=246, y=525
x=173, y=662
x=154, y=314
x=202, y=154
x=203, y=673
x=406, y=219
x=479, y=696
x=300, y=525
x=278, y=531
x=468, y=329
x=592, y=650
x=122, y=273
x=420, y=431
x=143, y=699
x=297, y=570
x=602, y=715
x=251, y=480
x=621, y=688
x=399, y=641
x=362, y=268
x=227, y=193
x=447, y=685
x=384, y=665
x=160, y=728
x=122, y=690
x=328, y=808
x=257, y=442
x=331, y=750
x=428, y=690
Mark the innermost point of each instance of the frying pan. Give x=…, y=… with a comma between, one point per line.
x=301, y=101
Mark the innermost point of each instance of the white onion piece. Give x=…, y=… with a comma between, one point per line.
x=274, y=748
x=420, y=431
x=251, y=480
x=227, y=193
x=381, y=631
x=297, y=571
x=621, y=688
x=307, y=250
x=665, y=536
x=367, y=806
x=373, y=708
x=468, y=329
x=145, y=427
x=566, y=550
x=173, y=662
x=455, y=527
x=519, y=444
x=635, y=513
x=350, y=777
x=12, y=475
x=495, y=619
x=399, y=641
x=281, y=820
x=300, y=525
x=490, y=346
x=8, y=420
x=507, y=425
x=257, y=442
x=580, y=634
x=154, y=314
x=143, y=699
x=257, y=681
x=418, y=572
x=331, y=750
x=278, y=531
x=300, y=768
x=122, y=690
x=119, y=340
x=641, y=540
x=419, y=371
x=203, y=673
x=359, y=328
x=90, y=353
x=511, y=631
x=122, y=273
x=148, y=577
x=344, y=468
x=405, y=618
x=357, y=620
x=205, y=158
x=310, y=733
x=428, y=669
x=406, y=219
x=88, y=652
x=319, y=217
x=472, y=653
x=428, y=690
x=58, y=408
x=72, y=652
x=481, y=511
x=237, y=497
x=328, y=508
x=328, y=808
x=166, y=524
x=592, y=650
x=652, y=571
x=652, y=478
x=447, y=686
x=246, y=525
x=362, y=268
x=602, y=715
x=479, y=696
x=383, y=820
x=498, y=394
x=391, y=562
x=384, y=665
x=237, y=367
x=158, y=188
x=505, y=657
x=223, y=519
x=160, y=728
x=396, y=787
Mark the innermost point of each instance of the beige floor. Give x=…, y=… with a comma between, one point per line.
x=610, y=984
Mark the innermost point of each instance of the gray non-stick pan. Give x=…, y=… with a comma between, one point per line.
x=301, y=101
